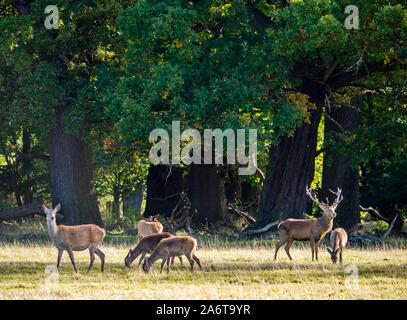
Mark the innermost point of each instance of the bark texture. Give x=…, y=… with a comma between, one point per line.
x=207, y=193
x=164, y=187
x=336, y=170
x=71, y=173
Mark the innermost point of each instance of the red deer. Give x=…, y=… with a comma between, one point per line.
x=149, y=226
x=313, y=230
x=173, y=247
x=144, y=246
x=75, y=238
x=339, y=238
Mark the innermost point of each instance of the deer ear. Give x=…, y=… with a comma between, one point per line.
x=44, y=208
x=58, y=207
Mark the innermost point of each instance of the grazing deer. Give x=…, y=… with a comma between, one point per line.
x=173, y=247
x=339, y=238
x=75, y=238
x=149, y=226
x=313, y=230
x=146, y=245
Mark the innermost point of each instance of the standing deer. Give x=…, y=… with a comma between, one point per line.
x=313, y=230
x=75, y=238
x=149, y=226
x=339, y=238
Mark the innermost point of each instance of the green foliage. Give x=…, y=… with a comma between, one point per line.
x=203, y=63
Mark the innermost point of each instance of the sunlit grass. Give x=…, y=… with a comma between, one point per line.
x=229, y=273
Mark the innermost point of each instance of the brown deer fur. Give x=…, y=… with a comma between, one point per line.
x=75, y=238
x=339, y=238
x=173, y=247
x=148, y=226
x=313, y=230
x=144, y=246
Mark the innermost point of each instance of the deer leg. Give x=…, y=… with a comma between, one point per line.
x=168, y=263
x=281, y=242
x=163, y=263
x=312, y=248
x=92, y=257
x=60, y=252
x=340, y=255
x=180, y=260
x=70, y=253
x=316, y=249
x=197, y=261
x=288, y=246
x=141, y=259
x=101, y=255
x=191, y=261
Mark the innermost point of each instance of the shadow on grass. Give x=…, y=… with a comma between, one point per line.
x=322, y=269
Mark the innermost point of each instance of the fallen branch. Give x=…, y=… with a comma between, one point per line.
x=264, y=229
x=262, y=233
x=375, y=212
x=379, y=240
x=166, y=198
x=248, y=218
x=34, y=207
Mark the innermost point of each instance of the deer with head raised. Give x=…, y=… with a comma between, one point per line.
x=75, y=238
x=149, y=226
x=313, y=230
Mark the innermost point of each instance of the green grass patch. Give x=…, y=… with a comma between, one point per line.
x=230, y=271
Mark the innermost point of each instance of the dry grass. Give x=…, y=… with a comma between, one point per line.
x=229, y=273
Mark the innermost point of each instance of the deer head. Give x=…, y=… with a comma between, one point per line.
x=128, y=257
x=327, y=209
x=51, y=212
x=334, y=254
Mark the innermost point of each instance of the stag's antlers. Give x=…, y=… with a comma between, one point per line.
x=338, y=199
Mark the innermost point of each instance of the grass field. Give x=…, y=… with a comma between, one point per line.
x=229, y=272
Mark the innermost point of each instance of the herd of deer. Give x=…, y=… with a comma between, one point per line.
x=163, y=245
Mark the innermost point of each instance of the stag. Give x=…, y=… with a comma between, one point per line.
x=313, y=230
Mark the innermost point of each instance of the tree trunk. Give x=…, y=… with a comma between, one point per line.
x=290, y=169
x=116, y=203
x=164, y=187
x=233, y=187
x=134, y=200
x=71, y=177
x=207, y=193
x=336, y=170
x=26, y=169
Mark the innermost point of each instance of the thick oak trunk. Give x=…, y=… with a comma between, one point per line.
x=26, y=169
x=207, y=193
x=71, y=177
x=164, y=187
x=290, y=170
x=336, y=170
